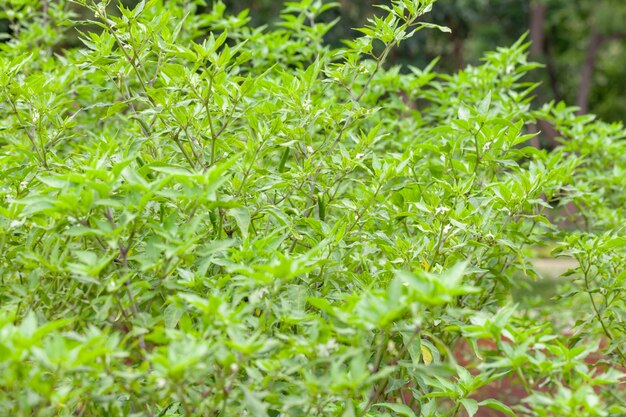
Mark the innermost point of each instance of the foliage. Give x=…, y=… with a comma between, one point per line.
x=202, y=218
x=482, y=25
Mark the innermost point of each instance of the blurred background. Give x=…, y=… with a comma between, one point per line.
x=581, y=43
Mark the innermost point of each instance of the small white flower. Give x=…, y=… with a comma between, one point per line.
x=359, y=155
x=234, y=367
x=102, y=8
x=486, y=146
x=16, y=223
x=443, y=158
x=446, y=229
x=310, y=149
x=332, y=344
x=161, y=382
x=327, y=348
x=441, y=210
x=490, y=236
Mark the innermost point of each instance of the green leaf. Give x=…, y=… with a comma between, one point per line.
x=399, y=409
x=463, y=113
x=614, y=242
x=497, y=405
x=451, y=277
x=470, y=405
x=171, y=315
x=115, y=108
x=484, y=104
x=242, y=218
x=434, y=26
x=254, y=403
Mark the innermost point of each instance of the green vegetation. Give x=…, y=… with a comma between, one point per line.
x=581, y=43
x=204, y=218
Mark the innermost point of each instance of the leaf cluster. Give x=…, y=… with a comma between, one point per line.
x=201, y=218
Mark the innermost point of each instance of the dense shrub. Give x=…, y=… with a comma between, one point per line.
x=200, y=218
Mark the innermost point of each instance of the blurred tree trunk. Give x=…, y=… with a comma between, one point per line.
x=553, y=74
x=537, y=25
x=586, y=79
x=537, y=20
x=596, y=39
